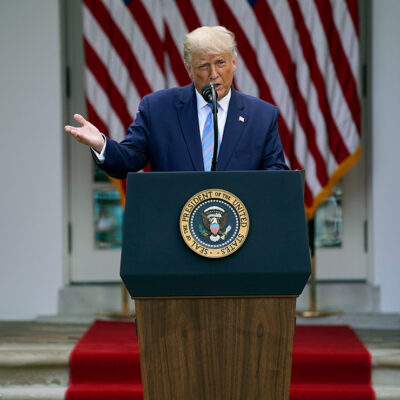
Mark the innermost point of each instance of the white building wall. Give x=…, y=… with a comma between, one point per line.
x=385, y=151
x=31, y=200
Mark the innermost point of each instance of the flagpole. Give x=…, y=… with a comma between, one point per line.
x=313, y=289
x=125, y=312
x=312, y=312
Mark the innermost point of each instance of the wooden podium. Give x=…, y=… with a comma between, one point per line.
x=215, y=328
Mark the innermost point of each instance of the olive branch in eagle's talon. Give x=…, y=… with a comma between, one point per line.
x=202, y=231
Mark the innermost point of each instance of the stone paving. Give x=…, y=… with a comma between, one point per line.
x=40, y=332
x=68, y=333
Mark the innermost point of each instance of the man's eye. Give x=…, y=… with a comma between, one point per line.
x=221, y=62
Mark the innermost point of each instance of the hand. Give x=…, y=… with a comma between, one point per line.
x=87, y=134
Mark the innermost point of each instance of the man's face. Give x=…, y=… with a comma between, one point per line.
x=217, y=68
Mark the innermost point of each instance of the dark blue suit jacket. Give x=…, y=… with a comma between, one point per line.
x=166, y=134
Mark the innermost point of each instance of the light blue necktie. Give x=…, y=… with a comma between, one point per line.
x=207, y=140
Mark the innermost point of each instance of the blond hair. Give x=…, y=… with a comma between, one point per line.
x=210, y=40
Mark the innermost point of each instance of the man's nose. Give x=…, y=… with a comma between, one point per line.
x=213, y=72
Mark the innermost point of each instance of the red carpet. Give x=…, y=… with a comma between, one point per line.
x=329, y=363
x=104, y=364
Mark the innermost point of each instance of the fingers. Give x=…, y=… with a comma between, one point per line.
x=70, y=129
x=78, y=118
x=74, y=132
x=86, y=133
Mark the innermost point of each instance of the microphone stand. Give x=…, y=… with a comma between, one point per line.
x=215, y=120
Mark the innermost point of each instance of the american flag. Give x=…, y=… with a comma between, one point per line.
x=301, y=55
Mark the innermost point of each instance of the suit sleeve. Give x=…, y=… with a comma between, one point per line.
x=132, y=153
x=273, y=157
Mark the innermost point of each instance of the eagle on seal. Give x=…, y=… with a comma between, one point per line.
x=213, y=224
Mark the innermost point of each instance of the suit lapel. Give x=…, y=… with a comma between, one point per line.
x=188, y=119
x=235, y=125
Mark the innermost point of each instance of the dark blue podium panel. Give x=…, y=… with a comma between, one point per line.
x=274, y=259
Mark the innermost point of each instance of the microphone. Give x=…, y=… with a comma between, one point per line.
x=206, y=92
x=210, y=95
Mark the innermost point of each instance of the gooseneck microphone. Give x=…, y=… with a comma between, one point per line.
x=210, y=95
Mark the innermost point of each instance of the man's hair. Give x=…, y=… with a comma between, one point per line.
x=209, y=40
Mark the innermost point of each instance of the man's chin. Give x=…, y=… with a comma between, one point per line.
x=221, y=92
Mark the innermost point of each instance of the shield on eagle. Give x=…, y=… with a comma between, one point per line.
x=214, y=228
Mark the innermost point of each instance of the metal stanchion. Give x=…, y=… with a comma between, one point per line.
x=125, y=313
x=312, y=312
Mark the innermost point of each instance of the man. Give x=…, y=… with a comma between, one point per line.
x=172, y=125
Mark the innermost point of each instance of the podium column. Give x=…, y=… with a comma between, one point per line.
x=216, y=348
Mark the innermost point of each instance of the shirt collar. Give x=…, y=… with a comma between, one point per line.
x=223, y=103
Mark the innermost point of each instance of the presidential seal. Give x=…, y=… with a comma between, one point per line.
x=214, y=223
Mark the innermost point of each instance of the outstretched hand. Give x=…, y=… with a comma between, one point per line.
x=87, y=133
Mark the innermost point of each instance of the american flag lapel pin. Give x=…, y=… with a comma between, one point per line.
x=241, y=119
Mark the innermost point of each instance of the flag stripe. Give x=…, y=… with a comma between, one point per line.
x=348, y=37
x=330, y=90
x=103, y=49
x=341, y=63
x=139, y=52
x=205, y=11
x=103, y=78
x=143, y=19
x=282, y=56
x=155, y=10
x=284, y=102
x=335, y=140
x=189, y=15
x=175, y=30
x=352, y=6
x=101, y=103
x=121, y=46
x=177, y=66
x=301, y=75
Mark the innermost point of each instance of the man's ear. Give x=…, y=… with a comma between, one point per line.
x=189, y=70
x=234, y=62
